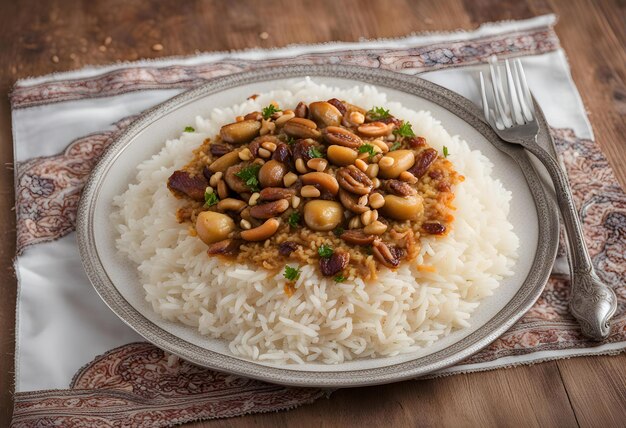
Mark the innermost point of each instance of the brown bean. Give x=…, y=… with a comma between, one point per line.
x=399, y=188
x=402, y=161
x=321, y=215
x=324, y=114
x=235, y=183
x=276, y=193
x=222, y=163
x=269, y=209
x=213, y=227
x=321, y=179
x=340, y=155
x=240, y=132
x=302, y=110
x=403, y=208
x=354, y=180
x=231, y=204
x=334, y=264
x=357, y=237
x=341, y=137
x=262, y=232
x=375, y=129
x=271, y=174
x=423, y=161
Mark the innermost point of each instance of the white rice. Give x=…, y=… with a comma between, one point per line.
x=323, y=321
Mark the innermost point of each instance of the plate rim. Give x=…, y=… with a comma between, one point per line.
x=519, y=304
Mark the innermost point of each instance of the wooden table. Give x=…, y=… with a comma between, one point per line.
x=43, y=37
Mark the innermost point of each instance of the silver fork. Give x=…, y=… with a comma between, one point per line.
x=592, y=302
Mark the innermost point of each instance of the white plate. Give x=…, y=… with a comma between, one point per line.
x=115, y=278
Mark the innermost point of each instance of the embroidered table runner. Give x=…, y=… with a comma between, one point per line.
x=77, y=364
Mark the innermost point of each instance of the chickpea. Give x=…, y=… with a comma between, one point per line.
x=213, y=227
x=340, y=155
x=402, y=208
x=321, y=215
x=402, y=160
x=271, y=174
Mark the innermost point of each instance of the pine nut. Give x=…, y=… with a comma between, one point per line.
x=376, y=200
x=295, y=201
x=300, y=166
x=264, y=153
x=381, y=145
x=386, y=162
x=254, y=199
x=215, y=178
x=317, y=164
x=222, y=189
x=355, y=222
x=208, y=190
x=372, y=170
x=239, y=119
x=268, y=145
x=361, y=164
x=245, y=224
x=376, y=182
x=289, y=179
x=369, y=216
x=375, y=228
x=408, y=177
x=363, y=200
x=357, y=117
x=245, y=154
x=309, y=192
x=267, y=127
x=363, y=155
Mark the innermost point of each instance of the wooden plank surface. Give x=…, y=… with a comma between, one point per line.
x=42, y=37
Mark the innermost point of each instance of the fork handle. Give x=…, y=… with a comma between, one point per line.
x=592, y=302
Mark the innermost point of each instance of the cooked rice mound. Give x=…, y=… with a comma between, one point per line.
x=323, y=321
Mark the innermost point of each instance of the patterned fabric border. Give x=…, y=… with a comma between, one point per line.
x=414, y=60
x=139, y=385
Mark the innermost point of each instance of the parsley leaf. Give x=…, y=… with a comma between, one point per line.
x=377, y=113
x=189, y=129
x=339, y=278
x=249, y=175
x=210, y=199
x=269, y=111
x=404, y=130
x=315, y=153
x=445, y=152
x=395, y=146
x=291, y=140
x=325, y=251
x=338, y=231
x=367, y=148
x=294, y=219
x=292, y=274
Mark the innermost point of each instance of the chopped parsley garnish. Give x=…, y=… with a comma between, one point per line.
x=249, y=175
x=445, y=152
x=325, y=251
x=315, y=153
x=339, y=278
x=269, y=111
x=378, y=113
x=291, y=140
x=395, y=146
x=404, y=130
x=338, y=231
x=292, y=274
x=189, y=129
x=210, y=199
x=294, y=219
x=367, y=148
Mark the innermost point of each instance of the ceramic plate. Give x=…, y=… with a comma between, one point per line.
x=115, y=279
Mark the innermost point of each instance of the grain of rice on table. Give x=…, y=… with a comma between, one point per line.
x=323, y=321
